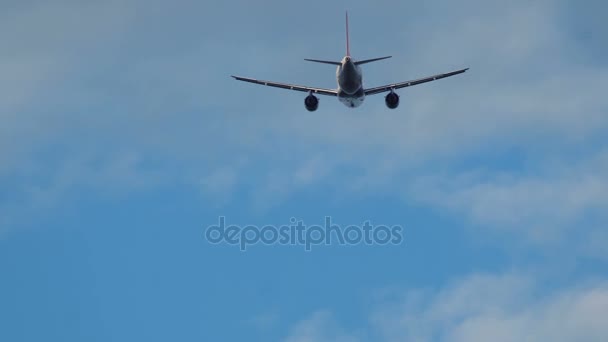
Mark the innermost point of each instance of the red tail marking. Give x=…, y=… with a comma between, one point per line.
x=347, y=38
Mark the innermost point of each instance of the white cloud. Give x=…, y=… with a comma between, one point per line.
x=482, y=307
x=502, y=100
x=119, y=81
x=320, y=327
x=48, y=187
x=543, y=204
x=501, y=308
x=220, y=184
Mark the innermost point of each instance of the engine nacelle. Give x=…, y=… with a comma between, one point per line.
x=311, y=102
x=392, y=100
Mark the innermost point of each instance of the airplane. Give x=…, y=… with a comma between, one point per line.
x=349, y=77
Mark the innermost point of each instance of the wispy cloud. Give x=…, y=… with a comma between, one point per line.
x=319, y=327
x=167, y=96
x=540, y=202
x=265, y=321
x=47, y=187
x=499, y=308
x=480, y=307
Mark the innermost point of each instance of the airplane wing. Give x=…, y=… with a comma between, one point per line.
x=389, y=87
x=321, y=91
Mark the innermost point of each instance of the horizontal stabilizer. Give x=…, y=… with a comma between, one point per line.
x=321, y=61
x=371, y=60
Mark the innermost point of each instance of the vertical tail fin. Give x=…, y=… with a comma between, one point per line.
x=347, y=38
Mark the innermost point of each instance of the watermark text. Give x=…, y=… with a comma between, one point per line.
x=300, y=234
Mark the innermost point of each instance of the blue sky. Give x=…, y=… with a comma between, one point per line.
x=122, y=137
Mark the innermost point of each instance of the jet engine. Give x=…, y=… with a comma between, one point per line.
x=311, y=102
x=392, y=100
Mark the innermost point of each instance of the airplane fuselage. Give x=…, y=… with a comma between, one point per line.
x=350, y=83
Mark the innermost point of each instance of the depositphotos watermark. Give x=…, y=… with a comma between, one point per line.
x=298, y=233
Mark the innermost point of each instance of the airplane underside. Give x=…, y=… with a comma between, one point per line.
x=351, y=101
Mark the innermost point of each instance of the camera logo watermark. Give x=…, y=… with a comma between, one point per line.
x=299, y=234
